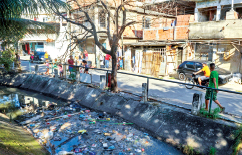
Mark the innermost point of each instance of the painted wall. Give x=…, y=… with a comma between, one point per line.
x=216, y=29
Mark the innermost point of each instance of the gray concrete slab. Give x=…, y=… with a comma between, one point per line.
x=127, y=110
x=109, y=103
x=90, y=95
x=66, y=94
x=103, y=103
x=142, y=114
x=52, y=84
x=42, y=84
x=61, y=89
x=37, y=79
x=18, y=80
x=79, y=92
x=199, y=133
x=27, y=83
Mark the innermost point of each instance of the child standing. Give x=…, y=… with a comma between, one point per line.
x=61, y=70
x=47, y=67
x=86, y=67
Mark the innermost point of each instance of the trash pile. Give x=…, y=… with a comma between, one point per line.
x=79, y=131
x=73, y=130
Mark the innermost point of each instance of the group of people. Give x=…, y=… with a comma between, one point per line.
x=83, y=57
x=119, y=61
x=71, y=64
x=212, y=75
x=81, y=60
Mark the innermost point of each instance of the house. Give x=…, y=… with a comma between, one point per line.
x=54, y=42
x=216, y=34
x=132, y=34
x=165, y=39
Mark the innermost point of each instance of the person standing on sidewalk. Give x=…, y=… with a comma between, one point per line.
x=47, y=67
x=86, y=55
x=46, y=55
x=213, y=83
x=107, y=58
x=85, y=66
x=71, y=63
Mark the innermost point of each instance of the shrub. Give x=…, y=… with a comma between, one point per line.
x=7, y=58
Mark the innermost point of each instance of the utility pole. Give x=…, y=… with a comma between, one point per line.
x=69, y=28
x=122, y=42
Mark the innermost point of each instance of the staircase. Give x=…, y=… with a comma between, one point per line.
x=226, y=57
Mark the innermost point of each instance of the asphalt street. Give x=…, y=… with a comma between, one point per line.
x=164, y=91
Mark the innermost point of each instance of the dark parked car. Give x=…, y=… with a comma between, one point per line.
x=39, y=57
x=187, y=68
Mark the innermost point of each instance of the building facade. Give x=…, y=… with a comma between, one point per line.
x=216, y=33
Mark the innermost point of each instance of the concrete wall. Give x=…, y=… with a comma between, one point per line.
x=225, y=29
x=211, y=3
x=170, y=124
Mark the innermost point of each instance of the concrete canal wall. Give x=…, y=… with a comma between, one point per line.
x=168, y=123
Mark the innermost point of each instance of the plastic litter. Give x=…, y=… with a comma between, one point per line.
x=66, y=153
x=82, y=131
x=49, y=135
x=111, y=147
x=87, y=132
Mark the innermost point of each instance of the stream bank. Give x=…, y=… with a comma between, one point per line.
x=167, y=123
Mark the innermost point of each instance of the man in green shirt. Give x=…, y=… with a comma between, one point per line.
x=213, y=83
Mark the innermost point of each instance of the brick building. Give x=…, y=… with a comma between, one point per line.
x=165, y=43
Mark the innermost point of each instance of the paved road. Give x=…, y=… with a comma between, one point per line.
x=169, y=92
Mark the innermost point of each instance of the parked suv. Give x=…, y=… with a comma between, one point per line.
x=187, y=68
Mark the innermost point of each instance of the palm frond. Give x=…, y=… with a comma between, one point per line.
x=13, y=27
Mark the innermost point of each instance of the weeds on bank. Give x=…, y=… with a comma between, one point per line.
x=214, y=113
x=189, y=150
x=212, y=151
x=238, y=140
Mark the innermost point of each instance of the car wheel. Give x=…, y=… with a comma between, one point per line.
x=182, y=76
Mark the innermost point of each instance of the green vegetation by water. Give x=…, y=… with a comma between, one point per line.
x=16, y=141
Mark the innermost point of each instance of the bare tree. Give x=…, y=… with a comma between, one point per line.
x=116, y=17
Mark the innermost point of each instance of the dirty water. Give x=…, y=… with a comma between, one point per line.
x=68, y=128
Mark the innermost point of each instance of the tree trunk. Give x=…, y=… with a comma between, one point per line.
x=114, y=83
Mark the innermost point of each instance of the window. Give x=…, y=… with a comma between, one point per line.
x=190, y=65
x=199, y=66
x=146, y=23
x=45, y=19
x=102, y=18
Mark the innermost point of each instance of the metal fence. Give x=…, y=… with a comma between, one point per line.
x=77, y=69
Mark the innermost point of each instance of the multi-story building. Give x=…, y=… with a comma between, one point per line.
x=54, y=42
x=155, y=44
x=165, y=39
x=216, y=33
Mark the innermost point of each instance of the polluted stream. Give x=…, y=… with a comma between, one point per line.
x=70, y=129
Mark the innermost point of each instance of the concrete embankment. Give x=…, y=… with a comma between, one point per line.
x=168, y=123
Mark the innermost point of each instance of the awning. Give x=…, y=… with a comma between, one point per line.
x=155, y=43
